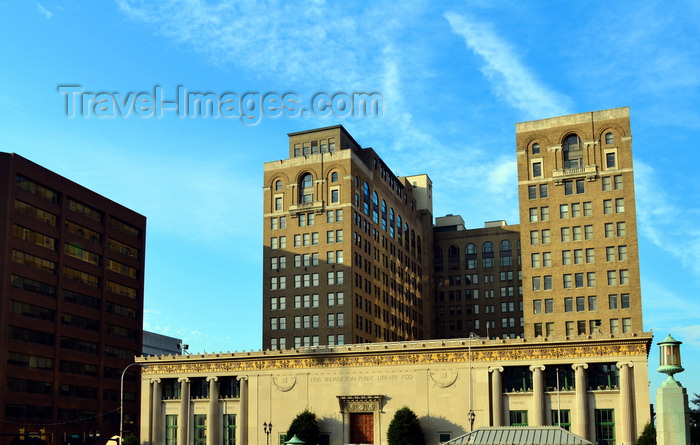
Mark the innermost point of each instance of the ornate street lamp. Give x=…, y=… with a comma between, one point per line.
x=471, y=415
x=267, y=427
x=121, y=403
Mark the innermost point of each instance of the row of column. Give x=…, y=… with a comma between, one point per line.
x=625, y=421
x=153, y=419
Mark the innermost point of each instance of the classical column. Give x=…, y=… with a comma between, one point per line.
x=580, y=426
x=243, y=424
x=146, y=410
x=157, y=422
x=496, y=395
x=183, y=425
x=213, y=416
x=538, y=396
x=627, y=417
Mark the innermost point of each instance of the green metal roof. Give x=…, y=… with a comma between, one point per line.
x=520, y=435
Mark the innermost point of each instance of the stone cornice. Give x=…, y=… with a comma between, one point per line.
x=406, y=353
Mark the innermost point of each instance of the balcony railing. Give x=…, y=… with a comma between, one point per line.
x=588, y=171
x=315, y=206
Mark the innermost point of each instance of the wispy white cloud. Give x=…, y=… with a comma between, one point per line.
x=511, y=79
x=661, y=218
x=48, y=14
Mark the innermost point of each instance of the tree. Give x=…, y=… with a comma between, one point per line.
x=405, y=429
x=695, y=419
x=305, y=426
x=130, y=439
x=648, y=436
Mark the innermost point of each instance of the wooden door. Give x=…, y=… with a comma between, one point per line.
x=362, y=428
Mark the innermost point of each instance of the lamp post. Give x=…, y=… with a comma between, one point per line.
x=471, y=415
x=121, y=403
x=267, y=427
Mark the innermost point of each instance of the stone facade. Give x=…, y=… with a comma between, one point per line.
x=354, y=390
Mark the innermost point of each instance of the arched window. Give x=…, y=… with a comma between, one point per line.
x=334, y=177
x=470, y=256
x=487, y=259
x=487, y=247
x=437, y=259
x=453, y=257
x=406, y=231
x=392, y=222
x=375, y=207
x=535, y=148
x=278, y=185
x=306, y=188
x=419, y=246
x=506, y=253
x=365, y=198
x=573, y=152
x=384, y=222
x=609, y=138
x=506, y=246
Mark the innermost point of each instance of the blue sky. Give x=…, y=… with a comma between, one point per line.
x=454, y=77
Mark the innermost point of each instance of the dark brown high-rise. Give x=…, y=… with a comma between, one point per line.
x=71, y=305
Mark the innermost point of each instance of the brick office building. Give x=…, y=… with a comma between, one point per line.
x=71, y=305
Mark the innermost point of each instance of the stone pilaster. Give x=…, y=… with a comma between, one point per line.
x=244, y=409
x=213, y=416
x=157, y=423
x=496, y=395
x=183, y=425
x=626, y=424
x=580, y=424
x=537, y=395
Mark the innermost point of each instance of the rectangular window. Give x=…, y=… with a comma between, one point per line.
x=547, y=259
x=536, y=169
x=592, y=303
x=576, y=210
x=534, y=237
x=518, y=418
x=612, y=278
x=535, y=283
x=577, y=233
x=614, y=326
x=549, y=306
x=533, y=214
x=566, y=257
x=543, y=191
x=565, y=234
x=568, y=188
x=568, y=304
x=562, y=418
x=609, y=230
x=620, y=205
x=229, y=429
x=588, y=209
x=588, y=232
x=607, y=206
x=171, y=429
x=536, y=307
x=535, y=260
x=605, y=422
x=578, y=256
x=532, y=191
x=547, y=283
x=617, y=179
x=569, y=328
x=625, y=301
x=622, y=253
x=624, y=276
x=580, y=186
x=605, y=181
x=544, y=213
x=545, y=236
x=580, y=304
x=564, y=211
x=200, y=429
x=590, y=279
x=567, y=281
x=626, y=325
